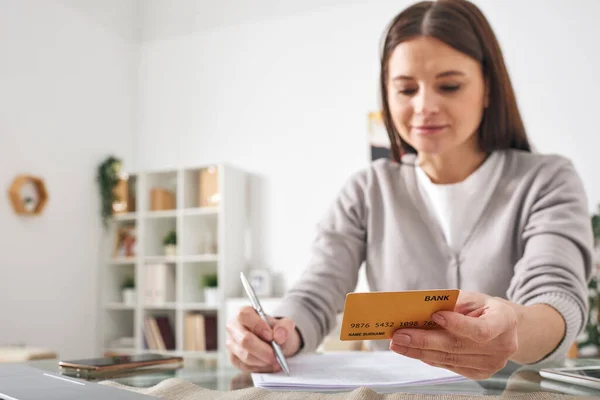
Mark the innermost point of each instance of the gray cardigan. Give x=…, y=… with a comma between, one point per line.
x=532, y=244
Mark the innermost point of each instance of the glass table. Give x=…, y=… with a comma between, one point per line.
x=512, y=380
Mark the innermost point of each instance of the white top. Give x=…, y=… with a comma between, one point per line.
x=458, y=206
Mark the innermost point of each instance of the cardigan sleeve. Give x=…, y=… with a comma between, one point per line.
x=557, y=243
x=338, y=252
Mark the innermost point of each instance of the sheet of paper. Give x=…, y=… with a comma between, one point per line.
x=378, y=370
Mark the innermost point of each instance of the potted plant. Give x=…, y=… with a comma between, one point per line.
x=596, y=228
x=29, y=203
x=588, y=342
x=170, y=243
x=128, y=290
x=108, y=176
x=210, y=284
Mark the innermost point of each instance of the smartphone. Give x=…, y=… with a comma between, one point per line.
x=584, y=376
x=122, y=362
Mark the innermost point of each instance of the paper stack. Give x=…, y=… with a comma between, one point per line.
x=381, y=371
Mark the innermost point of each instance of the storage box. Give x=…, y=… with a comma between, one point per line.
x=120, y=192
x=161, y=199
x=124, y=196
x=208, y=187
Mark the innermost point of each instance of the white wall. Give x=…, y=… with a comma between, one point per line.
x=284, y=94
x=66, y=101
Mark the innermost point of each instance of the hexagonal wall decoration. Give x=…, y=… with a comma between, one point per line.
x=28, y=195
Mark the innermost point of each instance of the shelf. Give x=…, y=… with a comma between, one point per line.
x=167, y=213
x=164, y=306
x=200, y=258
x=125, y=217
x=26, y=188
x=201, y=211
x=208, y=214
x=119, y=306
x=161, y=259
x=188, y=259
x=190, y=306
x=199, y=307
x=161, y=214
x=123, y=260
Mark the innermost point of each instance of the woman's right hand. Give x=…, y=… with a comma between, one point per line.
x=249, y=341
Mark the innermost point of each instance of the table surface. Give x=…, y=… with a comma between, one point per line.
x=514, y=379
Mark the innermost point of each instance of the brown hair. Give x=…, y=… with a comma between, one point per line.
x=461, y=25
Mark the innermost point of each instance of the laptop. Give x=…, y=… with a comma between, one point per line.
x=22, y=382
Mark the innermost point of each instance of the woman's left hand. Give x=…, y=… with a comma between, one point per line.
x=476, y=341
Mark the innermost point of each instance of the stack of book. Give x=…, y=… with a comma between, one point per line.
x=200, y=332
x=158, y=333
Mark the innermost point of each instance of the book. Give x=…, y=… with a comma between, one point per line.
x=159, y=284
x=193, y=339
x=158, y=333
x=210, y=331
x=200, y=332
x=166, y=332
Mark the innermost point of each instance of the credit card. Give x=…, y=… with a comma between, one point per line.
x=377, y=315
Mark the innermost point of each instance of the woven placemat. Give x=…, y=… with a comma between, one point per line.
x=178, y=389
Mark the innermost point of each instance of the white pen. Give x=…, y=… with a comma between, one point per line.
x=259, y=310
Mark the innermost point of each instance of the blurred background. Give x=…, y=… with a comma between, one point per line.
x=216, y=132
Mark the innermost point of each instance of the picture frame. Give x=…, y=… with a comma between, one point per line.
x=261, y=281
x=125, y=242
x=379, y=142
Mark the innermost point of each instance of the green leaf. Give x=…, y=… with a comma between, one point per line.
x=170, y=238
x=210, y=280
x=107, y=177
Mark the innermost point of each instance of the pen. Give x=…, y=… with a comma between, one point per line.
x=259, y=310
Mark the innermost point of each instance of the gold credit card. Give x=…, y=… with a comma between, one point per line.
x=370, y=316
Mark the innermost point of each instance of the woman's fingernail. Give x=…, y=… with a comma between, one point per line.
x=267, y=334
x=401, y=339
x=440, y=320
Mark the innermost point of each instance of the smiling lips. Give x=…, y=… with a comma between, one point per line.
x=428, y=129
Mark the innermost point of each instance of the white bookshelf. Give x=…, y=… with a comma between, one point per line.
x=226, y=225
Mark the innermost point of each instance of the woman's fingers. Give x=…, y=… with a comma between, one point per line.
x=238, y=363
x=247, y=343
x=248, y=318
x=440, y=340
x=249, y=340
x=475, y=361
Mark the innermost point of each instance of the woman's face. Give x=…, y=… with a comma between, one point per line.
x=436, y=96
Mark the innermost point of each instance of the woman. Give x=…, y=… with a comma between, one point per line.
x=465, y=204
